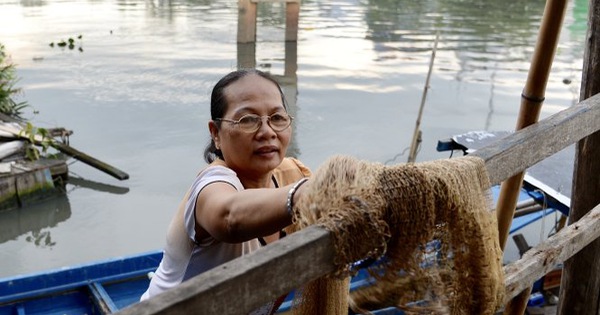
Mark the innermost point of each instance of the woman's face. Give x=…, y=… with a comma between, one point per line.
x=259, y=152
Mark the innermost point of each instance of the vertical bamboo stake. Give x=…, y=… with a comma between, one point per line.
x=580, y=285
x=531, y=104
x=412, y=155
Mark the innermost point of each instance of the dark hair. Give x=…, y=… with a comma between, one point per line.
x=218, y=104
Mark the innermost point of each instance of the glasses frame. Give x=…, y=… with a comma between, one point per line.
x=237, y=122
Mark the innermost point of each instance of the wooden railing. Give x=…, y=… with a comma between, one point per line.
x=244, y=284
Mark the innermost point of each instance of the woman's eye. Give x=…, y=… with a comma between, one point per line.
x=278, y=118
x=249, y=120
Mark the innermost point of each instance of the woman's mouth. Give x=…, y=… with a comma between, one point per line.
x=267, y=150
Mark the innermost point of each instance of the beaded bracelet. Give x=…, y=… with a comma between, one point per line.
x=290, y=197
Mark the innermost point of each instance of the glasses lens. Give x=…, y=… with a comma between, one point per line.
x=280, y=121
x=249, y=122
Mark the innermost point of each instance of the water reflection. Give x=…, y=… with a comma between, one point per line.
x=480, y=34
x=138, y=96
x=35, y=221
x=246, y=58
x=33, y=3
x=97, y=186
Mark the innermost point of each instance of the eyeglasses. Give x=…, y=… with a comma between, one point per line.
x=251, y=123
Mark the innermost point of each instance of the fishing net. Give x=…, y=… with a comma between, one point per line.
x=423, y=230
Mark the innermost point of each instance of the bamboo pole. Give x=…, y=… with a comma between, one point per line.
x=580, y=290
x=412, y=156
x=532, y=99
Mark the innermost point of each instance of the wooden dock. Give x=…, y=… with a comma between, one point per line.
x=29, y=182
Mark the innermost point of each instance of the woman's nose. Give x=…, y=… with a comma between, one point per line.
x=265, y=125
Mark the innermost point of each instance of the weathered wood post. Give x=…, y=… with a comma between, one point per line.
x=246, y=55
x=580, y=286
x=289, y=84
x=292, y=17
x=246, y=32
x=247, y=20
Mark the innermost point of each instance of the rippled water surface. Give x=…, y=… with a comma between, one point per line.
x=135, y=88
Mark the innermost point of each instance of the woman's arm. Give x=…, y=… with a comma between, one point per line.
x=235, y=216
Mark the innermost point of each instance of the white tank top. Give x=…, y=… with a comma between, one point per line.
x=185, y=258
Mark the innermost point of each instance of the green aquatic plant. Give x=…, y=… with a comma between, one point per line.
x=8, y=91
x=69, y=43
x=36, y=135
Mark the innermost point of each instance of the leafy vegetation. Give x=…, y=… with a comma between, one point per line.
x=70, y=43
x=37, y=136
x=8, y=91
x=11, y=108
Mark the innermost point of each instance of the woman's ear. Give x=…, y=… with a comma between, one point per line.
x=214, y=132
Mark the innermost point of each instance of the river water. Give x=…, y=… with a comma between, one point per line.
x=135, y=90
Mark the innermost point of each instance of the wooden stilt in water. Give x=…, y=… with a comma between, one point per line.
x=292, y=16
x=246, y=21
x=247, y=12
x=580, y=285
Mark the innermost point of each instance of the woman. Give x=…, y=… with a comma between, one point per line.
x=247, y=192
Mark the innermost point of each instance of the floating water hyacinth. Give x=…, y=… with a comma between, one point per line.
x=69, y=43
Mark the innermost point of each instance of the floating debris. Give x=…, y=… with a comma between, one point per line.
x=69, y=43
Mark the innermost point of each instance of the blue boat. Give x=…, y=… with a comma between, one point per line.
x=101, y=287
x=107, y=286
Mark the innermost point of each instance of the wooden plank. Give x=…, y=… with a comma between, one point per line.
x=246, y=283
x=101, y=299
x=243, y=284
x=66, y=149
x=544, y=257
x=91, y=161
x=530, y=145
x=212, y=291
